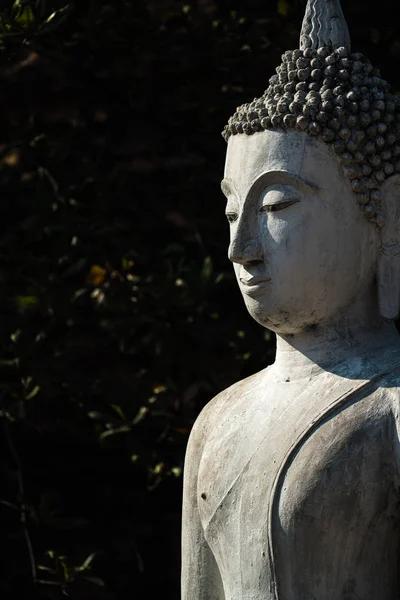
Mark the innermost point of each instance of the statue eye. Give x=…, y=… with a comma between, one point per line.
x=268, y=208
x=232, y=217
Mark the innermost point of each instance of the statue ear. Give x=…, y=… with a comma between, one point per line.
x=389, y=256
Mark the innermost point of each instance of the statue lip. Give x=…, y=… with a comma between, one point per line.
x=253, y=281
x=254, y=285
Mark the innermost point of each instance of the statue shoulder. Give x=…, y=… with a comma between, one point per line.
x=385, y=395
x=213, y=412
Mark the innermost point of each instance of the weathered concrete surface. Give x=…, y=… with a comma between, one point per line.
x=281, y=508
x=324, y=25
x=292, y=476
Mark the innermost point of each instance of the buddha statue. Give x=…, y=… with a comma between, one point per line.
x=292, y=476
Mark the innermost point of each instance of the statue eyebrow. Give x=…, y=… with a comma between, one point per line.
x=273, y=178
x=285, y=177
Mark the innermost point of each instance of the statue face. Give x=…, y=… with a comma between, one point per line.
x=302, y=251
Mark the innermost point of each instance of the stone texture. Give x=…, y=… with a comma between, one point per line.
x=292, y=476
x=341, y=98
x=324, y=89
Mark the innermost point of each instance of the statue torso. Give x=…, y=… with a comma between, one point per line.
x=299, y=500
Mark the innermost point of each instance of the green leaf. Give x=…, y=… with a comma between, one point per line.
x=207, y=269
x=119, y=411
x=112, y=432
x=283, y=7
x=26, y=302
x=141, y=415
x=87, y=563
x=33, y=393
x=54, y=20
x=56, y=13
x=25, y=17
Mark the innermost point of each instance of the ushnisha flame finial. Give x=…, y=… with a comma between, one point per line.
x=324, y=25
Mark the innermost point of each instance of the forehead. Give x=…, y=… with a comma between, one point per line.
x=250, y=157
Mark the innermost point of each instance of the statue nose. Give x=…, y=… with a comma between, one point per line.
x=242, y=255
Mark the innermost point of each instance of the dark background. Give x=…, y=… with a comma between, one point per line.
x=120, y=317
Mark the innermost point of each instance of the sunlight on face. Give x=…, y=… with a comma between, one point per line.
x=302, y=251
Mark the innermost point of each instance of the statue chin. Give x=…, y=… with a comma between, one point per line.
x=283, y=320
x=276, y=318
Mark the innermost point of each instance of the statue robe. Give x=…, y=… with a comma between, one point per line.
x=297, y=499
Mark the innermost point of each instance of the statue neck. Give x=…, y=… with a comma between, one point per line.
x=305, y=354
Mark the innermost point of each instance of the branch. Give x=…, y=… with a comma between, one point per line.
x=21, y=486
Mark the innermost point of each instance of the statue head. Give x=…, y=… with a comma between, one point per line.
x=306, y=163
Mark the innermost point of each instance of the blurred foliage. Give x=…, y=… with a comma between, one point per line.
x=120, y=316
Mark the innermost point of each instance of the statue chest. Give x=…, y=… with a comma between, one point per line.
x=284, y=505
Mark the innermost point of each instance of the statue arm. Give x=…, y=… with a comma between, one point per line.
x=201, y=579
